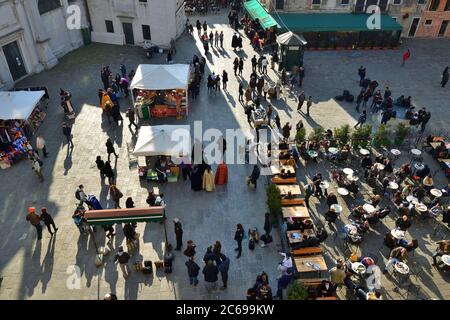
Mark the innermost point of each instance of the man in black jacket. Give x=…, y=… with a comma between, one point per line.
x=178, y=233
x=223, y=268
x=123, y=257
x=67, y=131
x=403, y=223
x=193, y=270
x=48, y=220
x=210, y=271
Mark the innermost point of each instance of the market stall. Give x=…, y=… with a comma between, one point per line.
x=161, y=90
x=21, y=114
x=160, y=150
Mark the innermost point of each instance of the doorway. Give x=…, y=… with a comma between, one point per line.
x=14, y=60
x=413, y=28
x=443, y=28
x=128, y=32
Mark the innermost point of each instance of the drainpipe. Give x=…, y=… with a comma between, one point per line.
x=88, y=14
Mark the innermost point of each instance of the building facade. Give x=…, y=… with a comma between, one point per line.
x=434, y=22
x=408, y=13
x=33, y=35
x=134, y=21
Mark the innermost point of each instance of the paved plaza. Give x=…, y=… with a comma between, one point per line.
x=39, y=269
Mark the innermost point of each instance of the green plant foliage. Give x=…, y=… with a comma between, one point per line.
x=361, y=136
x=297, y=291
x=381, y=138
x=401, y=133
x=316, y=135
x=300, y=135
x=273, y=199
x=342, y=135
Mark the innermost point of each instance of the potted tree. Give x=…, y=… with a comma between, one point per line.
x=300, y=135
x=316, y=135
x=361, y=136
x=273, y=202
x=401, y=133
x=342, y=135
x=297, y=291
x=381, y=137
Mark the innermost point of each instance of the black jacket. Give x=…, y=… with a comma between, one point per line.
x=123, y=258
x=46, y=218
x=67, y=131
x=178, y=230
x=192, y=268
x=109, y=147
x=239, y=235
x=210, y=273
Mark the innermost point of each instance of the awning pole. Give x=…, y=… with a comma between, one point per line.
x=166, y=246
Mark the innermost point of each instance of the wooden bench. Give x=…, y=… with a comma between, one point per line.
x=312, y=285
x=278, y=180
x=326, y=298
x=307, y=251
x=126, y=215
x=293, y=202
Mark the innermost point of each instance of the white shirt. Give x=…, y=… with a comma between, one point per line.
x=287, y=262
x=264, y=62
x=40, y=143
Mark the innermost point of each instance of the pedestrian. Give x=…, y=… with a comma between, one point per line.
x=260, y=59
x=41, y=145
x=278, y=121
x=211, y=38
x=445, y=76
x=80, y=195
x=205, y=27
x=169, y=57
x=48, y=220
x=235, y=65
x=224, y=266
x=301, y=100
x=362, y=75
x=122, y=258
x=406, y=56
x=36, y=166
x=359, y=99
x=254, y=63
x=283, y=283
x=221, y=39
x=100, y=164
x=190, y=250
x=206, y=47
x=178, y=233
x=425, y=118
x=110, y=149
x=238, y=237
x=224, y=80
x=286, y=131
x=241, y=66
x=216, y=39
x=308, y=105
x=67, y=131
x=264, y=64
x=269, y=114
x=362, y=119
x=248, y=95
x=35, y=221
x=255, y=175
x=309, y=191
x=131, y=118
x=124, y=85
x=193, y=271
x=234, y=42
x=259, y=86
x=248, y=113
x=210, y=272
x=123, y=70
x=267, y=229
x=241, y=91
x=108, y=172
x=115, y=195
x=115, y=114
x=266, y=89
x=301, y=76
x=199, y=28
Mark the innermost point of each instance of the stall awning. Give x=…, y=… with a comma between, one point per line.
x=329, y=22
x=168, y=140
x=291, y=39
x=18, y=105
x=112, y=216
x=257, y=11
x=161, y=77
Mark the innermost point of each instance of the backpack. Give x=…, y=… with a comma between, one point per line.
x=77, y=195
x=251, y=244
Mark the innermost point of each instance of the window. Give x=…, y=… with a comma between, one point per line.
x=395, y=18
x=383, y=5
x=316, y=2
x=447, y=6
x=434, y=4
x=397, y=2
x=279, y=5
x=428, y=22
x=146, y=32
x=48, y=5
x=421, y=1
x=143, y=1
x=109, y=26
x=344, y=2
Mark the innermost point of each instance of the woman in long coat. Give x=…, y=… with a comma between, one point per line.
x=208, y=180
x=221, y=174
x=197, y=179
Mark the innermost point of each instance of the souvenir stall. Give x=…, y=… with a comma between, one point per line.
x=161, y=90
x=160, y=150
x=21, y=113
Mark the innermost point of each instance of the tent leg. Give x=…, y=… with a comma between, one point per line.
x=166, y=246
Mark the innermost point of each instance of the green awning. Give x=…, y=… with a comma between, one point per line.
x=257, y=11
x=328, y=22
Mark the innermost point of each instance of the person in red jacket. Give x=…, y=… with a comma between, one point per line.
x=406, y=56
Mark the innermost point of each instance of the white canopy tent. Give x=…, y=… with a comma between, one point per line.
x=18, y=105
x=161, y=77
x=168, y=140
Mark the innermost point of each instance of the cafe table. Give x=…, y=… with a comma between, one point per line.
x=364, y=152
x=351, y=177
x=333, y=150
x=294, y=189
x=421, y=207
x=358, y=268
x=412, y=199
x=393, y=185
x=310, y=263
x=313, y=154
x=395, y=152
x=296, y=236
x=348, y=171
x=416, y=152
x=343, y=191
x=368, y=208
x=336, y=207
x=446, y=259
x=402, y=271
x=398, y=234
x=436, y=193
x=379, y=166
x=295, y=212
x=324, y=184
x=419, y=166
